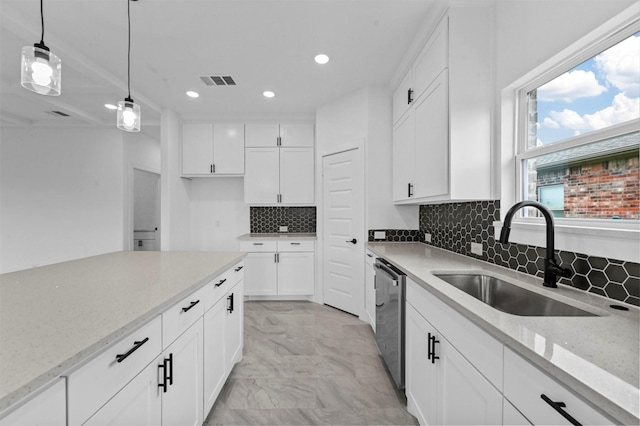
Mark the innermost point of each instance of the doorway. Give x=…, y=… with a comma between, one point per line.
x=146, y=210
x=343, y=221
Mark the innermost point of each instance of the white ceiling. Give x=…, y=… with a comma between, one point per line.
x=262, y=44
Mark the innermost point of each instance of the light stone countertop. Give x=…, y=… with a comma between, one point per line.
x=279, y=236
x=598, y=357
x=54, y=317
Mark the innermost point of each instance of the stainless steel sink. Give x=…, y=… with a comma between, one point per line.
x=510, y=298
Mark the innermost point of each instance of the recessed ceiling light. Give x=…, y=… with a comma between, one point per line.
x=321, y=59
x=193, y=94
x=110, y=106
x=268, y=94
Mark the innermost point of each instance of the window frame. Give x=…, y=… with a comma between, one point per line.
x=611, y=238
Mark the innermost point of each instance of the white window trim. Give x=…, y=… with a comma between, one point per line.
x=612, y=239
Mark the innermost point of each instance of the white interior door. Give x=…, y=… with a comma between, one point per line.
x=343, y=219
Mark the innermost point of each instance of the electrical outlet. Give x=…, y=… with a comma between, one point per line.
x=379, y=235
x=427, y=238
x=284, y=229
x=476, y=248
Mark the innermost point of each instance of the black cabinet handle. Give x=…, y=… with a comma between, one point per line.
x=136, y=346
x=238, y=268
x=170, y=376
x=230, y=303
x=165, y=380
x=409, y=190
x=211, y=168
x=219, y=283
x=409, y=96
x=190, y=306
x=431, y=348
x=558, y=406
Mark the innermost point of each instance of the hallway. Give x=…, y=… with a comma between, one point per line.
x=307, y=364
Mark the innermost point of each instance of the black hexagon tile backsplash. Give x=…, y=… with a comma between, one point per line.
x=454, y=226
x=267, y=220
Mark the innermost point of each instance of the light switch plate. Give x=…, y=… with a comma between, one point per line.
x=379, y=235
x=427, y=237
x=284, y=229
x=476, y=248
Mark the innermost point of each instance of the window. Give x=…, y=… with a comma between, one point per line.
x=580, y=153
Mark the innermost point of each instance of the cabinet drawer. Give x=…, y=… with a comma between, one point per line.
x=217, y=287
x=180, y=316
x=524, y=385
x=257, y=246
x=93, y=384
x=296, y=245
x=238, y=273
x=482, y=350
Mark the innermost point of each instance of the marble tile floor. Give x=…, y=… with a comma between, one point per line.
x=308, y=364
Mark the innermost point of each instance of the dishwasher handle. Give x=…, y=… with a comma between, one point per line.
x=388, y=271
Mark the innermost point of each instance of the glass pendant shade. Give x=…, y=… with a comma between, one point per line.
x=41, y=70
x=128, y=116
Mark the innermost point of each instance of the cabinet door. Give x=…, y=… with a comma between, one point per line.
x=432, y=59
x=420, y=373
x=511, y=416
x=297, y=176
x=137, y=404
x=214, y=346
x=432, y=140
x=228, y=149
x=401, y=97
x=182, y=402
x=46, y=409
x=295, y=273
x=197, y=149
x=262, y=175
x=403, y=156
x=262, y=135
x=260, y=274
x=296, y=135
x=233, y=325
x=370, y=296
x=465, y=397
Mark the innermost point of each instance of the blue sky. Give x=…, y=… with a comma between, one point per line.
x=598, y=93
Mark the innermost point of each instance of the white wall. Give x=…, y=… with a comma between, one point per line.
x=175, y=214
x=62, y=195
x=218, y=213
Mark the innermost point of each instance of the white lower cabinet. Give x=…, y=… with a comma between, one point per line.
x=279, y=268
x=442, y=387
x=370, y=290
x=180, y=379
x=534, y=393
x=137, y=404
x=233, y=327
x=511, y=416
x=45, y=409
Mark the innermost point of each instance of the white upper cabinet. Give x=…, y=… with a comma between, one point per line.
x=212, y=149
x=280, y=164
x=442, y=137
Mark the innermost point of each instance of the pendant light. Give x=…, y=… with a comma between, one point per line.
x=41, y=69
x=128, y=111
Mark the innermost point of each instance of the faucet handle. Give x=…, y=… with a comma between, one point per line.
x=558, y=270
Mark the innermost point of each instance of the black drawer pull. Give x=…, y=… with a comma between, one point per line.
x=258, y=244
x=431, y=348
x=136, y=346
x=238, y=268
x=230, y=303
x=190, y=306
x=219, y=283
x=558, y=406
x=295, y=244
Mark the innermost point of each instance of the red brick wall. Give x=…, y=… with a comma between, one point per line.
x=603, y=189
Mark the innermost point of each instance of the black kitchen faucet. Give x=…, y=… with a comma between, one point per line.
x=551, y=268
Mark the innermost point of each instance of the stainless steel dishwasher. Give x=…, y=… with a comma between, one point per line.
x=390, y=294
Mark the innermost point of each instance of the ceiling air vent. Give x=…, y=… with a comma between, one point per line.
x=58, y=113
x=217, y=80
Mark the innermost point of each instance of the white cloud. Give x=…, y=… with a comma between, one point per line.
x=620, y=65
x=570, y=86
x=622, y=109
x=550, y=123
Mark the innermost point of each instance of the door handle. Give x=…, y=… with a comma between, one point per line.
x=352, y=241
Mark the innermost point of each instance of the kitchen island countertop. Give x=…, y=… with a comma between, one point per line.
x=597, y=357
x=52, y=318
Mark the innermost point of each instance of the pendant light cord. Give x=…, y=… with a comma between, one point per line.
x=128, y=48
x=42, y=21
